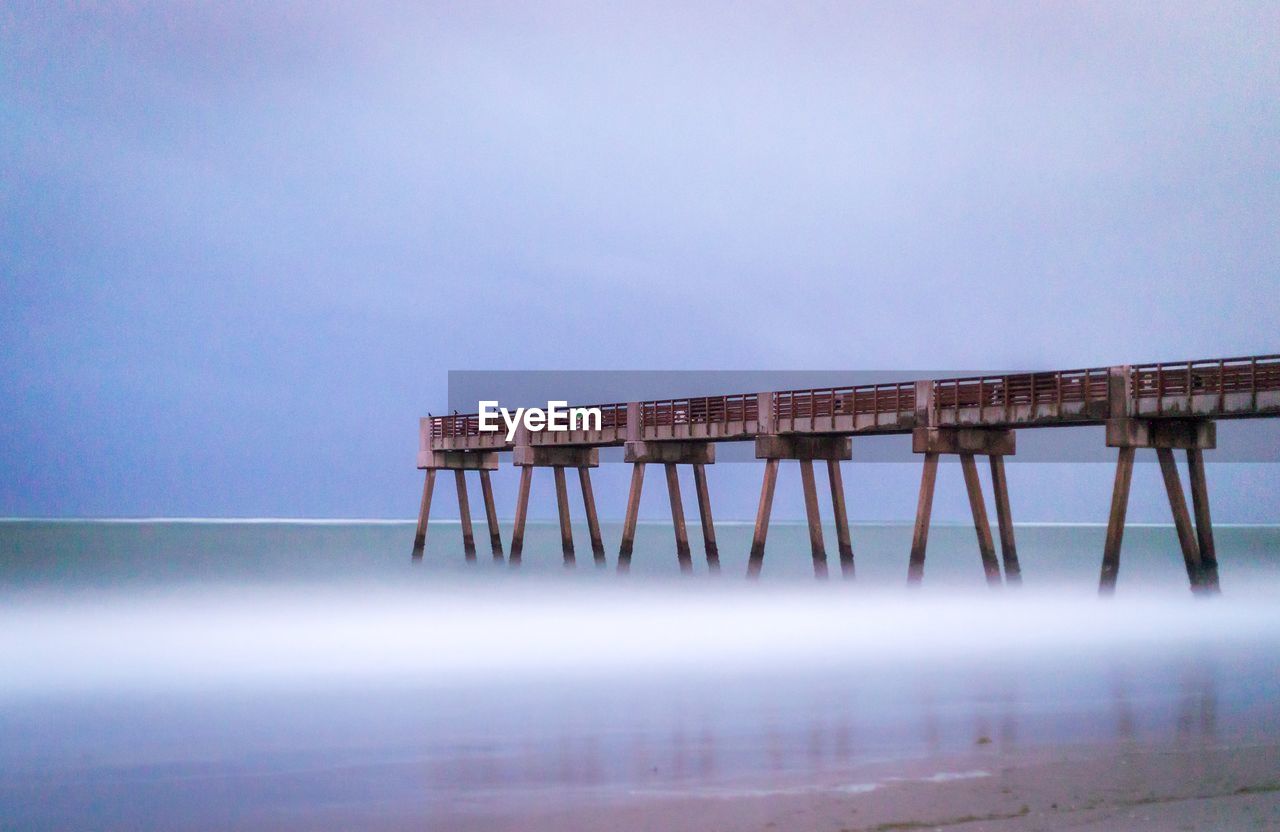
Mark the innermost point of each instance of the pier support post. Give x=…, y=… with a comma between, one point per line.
x=593, y=521
x=464, y=516
x=756, y=561
x=842, y=518
x=522, y=513
x=1165, y=435
x=704, y=517
x=556, y=457
x=967, y=443
x=562, y=506
x=1004, y=519
x=1204, y=524
x=1115, y=521
x=817, y=546
x=924, y=508
x=677, y=519
x=459, y=462
x=491, y=515
x=670, y=453
x=773, y=448
x=1181, y=517
x=424, y=510
x=629, y=521
x=986, y=547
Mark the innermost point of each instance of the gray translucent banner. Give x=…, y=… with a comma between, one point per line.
x=1239, y=440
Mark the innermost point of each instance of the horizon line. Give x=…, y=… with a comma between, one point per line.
x=386, y=521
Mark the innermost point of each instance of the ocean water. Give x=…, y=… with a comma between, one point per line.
x=290, y=675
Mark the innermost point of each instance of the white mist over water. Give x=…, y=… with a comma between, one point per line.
x=473, y=631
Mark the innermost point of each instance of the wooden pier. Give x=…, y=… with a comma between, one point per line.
x=1164, y=407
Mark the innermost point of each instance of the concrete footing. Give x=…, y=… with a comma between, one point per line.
x=1173, y=434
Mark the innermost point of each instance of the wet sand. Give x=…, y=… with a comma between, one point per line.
x=1087, y=787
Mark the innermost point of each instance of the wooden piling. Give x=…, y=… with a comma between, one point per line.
x=1115, y=523
x=424, y=510
x=522, y=512
x=629, y=521
x=562, y=504
x=756, y=560
x=593, y=521
x=924, y=507
x=464, y=515
x=1181, y=518
x=1004, y=519
x=842, y=518
x=491, y=515
x=704, y=516
x=677, y=519
x=1204, y=524
x=981, y=525
x=817, y=546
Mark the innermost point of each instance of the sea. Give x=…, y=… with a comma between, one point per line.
x=296, y=674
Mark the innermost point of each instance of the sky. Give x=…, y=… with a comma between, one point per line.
x=243, y=244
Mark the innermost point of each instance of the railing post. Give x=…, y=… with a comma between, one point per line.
x=1121, y=397
x=924, y=404
x=764, y=413
x=635, y=422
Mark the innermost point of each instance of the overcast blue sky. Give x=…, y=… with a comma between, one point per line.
x=241, y=244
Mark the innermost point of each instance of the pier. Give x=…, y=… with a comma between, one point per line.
x=1165, y=407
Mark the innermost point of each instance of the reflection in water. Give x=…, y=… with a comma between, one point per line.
x=1125, y=722
x=782, y=730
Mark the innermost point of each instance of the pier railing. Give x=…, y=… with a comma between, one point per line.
x=838, y=408
x=1063, y=395
x=1214, y=386
x=1220, y=387
x=701, y=410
